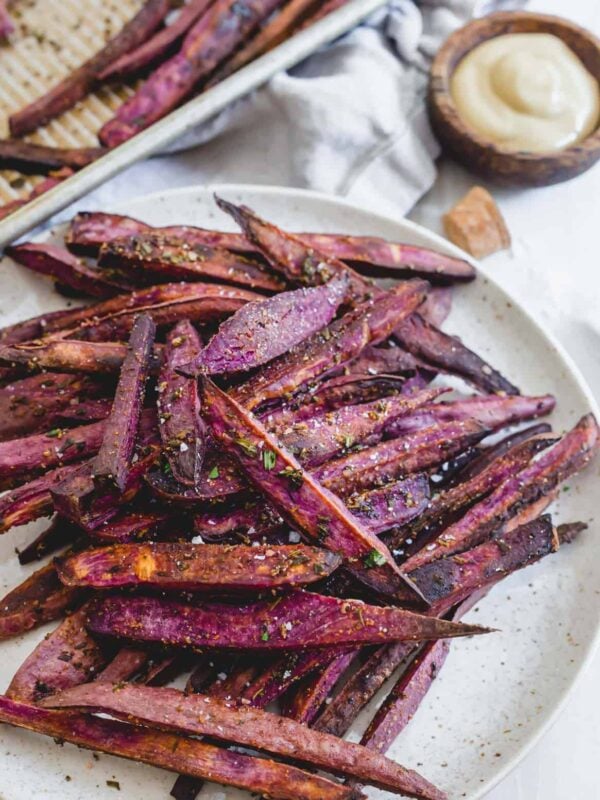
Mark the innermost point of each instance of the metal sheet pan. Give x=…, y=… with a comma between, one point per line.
x=167, y=130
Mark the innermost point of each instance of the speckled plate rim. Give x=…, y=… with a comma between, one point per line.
x=437, y=242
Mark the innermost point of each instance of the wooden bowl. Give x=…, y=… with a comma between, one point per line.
x=502, y=165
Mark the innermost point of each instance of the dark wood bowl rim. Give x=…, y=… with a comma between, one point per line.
x=489, y=27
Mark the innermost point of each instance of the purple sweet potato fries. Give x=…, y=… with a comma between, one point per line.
x=255, y=479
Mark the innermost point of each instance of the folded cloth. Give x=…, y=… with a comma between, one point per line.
x=350, y=120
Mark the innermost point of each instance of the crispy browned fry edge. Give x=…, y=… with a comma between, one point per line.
x=175, y=753
x=202, y=715
x=43, y=186
x=74, y=87
x=39, y=599
x=59, y=533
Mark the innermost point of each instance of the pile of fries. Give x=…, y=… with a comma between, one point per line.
x=254, y=481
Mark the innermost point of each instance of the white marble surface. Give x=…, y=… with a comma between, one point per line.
x=553, y=268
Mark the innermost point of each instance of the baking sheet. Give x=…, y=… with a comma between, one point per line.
x=55, y=36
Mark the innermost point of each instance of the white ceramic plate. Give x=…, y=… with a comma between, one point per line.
x=498, y=693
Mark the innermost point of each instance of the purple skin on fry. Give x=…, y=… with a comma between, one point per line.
x=113, y=462
x=23, y=459
x=214, y=36
x=492, y=411
x=67, y=657
x=572, y=453
x=343, y=340
x=32, y=500
x=396, y=458
x=175, y=753
x=263, y=330
x=151, y=50
x=303, y=501
x=482, y=567
x=447, y=504
x=154, y=258
x=300, y=619
x=324, y=436
x=39, y=599
x=130, y=526
x=314, y=689
x=79, y=82
x=449, y=354
x=487, y=454
x=50, y=259
x=203, y=715
x=182, y=430
x=202, y=567
x=59, y=533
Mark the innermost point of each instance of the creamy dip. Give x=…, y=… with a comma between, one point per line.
x=526, y=91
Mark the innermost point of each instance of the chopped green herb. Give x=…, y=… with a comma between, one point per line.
x=265, y=636
x=55, y=433
x=295, y=476
x=374, y=559
x=214, y=473
x=246, y=445
x=269, y=459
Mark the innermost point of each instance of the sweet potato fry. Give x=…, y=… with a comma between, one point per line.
x=39, y=599
x=150, y=51
x=393, y=504
x=314, y=690
x=175, y=753
x=23, y=459
x=570, y=455
x=71, y=355
x=291, y=256
x=130, y=526
x=56, y=536
x=155, y=258
x=285, y=672
x=6, y=24
x=400, y=705
x=217, y=33
x=437, y=305
x=447, y=504
x=450, y=580
x=78, y=498
x=113, y=462
x=265, y=329
x=41, y=402
x=181, y=428
x=32, y=500
x=361, y=687
x=67, y=657
x=275, y=31
x=392, y=459
x=67, y=269
x=200, y=714
x=33, y=328
x=492, y=411
x=38, y=159
x=294, y=492
x=89, y=230
x=315, y=620
x=331, y=394
x=74, y=87
x=191, y=567
x=41, y=188
x=488, y=454
x=341, y=341
x=449, y=355
x=127, y=663
x=324, y=436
